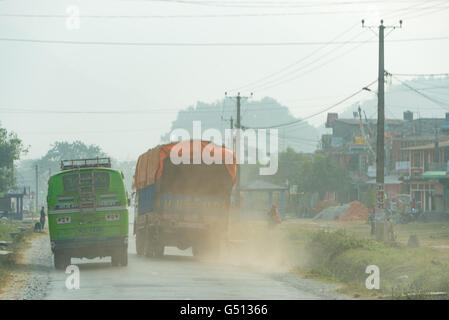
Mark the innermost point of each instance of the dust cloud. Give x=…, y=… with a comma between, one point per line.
x=256, y=245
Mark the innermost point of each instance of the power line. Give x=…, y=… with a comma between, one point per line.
x=315, y=114
x=282, y=81
x=421, y=74
x=426, y=10
x=436, y=101
x=252, y=107
x=296, y=62
x=213, y=44
x=276, y=4
x=307, y=56
x=230, y=15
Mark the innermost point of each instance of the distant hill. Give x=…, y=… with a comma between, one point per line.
x=302, y=137
x=400, y=98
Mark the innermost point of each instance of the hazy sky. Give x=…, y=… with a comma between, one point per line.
x=145, y=85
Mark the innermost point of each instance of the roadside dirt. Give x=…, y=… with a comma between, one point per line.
x=30, y=277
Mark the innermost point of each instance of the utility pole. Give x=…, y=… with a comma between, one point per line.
x=238, y=99
x=436, y=152
x=232, y=134
x=231, y=121
x=380, y=122
x=380, y=149
x=37, y=190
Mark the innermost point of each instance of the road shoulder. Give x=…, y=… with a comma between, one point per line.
x=30, y=277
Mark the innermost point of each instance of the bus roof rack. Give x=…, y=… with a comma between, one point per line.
x=85, y=163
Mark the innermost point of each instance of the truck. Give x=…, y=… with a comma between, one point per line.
x=183, y=205
x=87, y=207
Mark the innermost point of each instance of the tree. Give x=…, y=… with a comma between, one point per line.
x=322, y=174
x=11, y=148
x=63, y=150
x=60, y=150
x=263, y=113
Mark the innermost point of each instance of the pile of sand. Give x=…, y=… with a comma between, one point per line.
x=324, y=204
x=356, y=211
x=332, y=213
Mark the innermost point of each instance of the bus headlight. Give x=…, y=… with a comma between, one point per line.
x=112, y=217
x=63, y=220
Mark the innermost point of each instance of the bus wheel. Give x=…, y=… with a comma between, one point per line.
x=61, y=260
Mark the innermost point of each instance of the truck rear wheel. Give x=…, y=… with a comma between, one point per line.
x=124, y=260
x=208, y=250
x=148, y=249
x=140, y=243
x=153, y=246
x=120, y=257
x=159, y=251
x=61, y=260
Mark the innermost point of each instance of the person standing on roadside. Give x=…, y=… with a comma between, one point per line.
x=273, y=216
x=42, y=219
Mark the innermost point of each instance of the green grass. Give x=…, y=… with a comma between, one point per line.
x=5, y=230
x=335, y=256
x=339, y=252
x=19, y=243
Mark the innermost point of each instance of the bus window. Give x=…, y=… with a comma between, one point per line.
x=70, y=181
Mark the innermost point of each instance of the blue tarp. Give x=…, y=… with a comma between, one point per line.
x=146, y=198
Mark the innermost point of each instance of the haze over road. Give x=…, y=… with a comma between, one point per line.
x=175, y=276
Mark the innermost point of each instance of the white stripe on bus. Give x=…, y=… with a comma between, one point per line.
x=87, y=209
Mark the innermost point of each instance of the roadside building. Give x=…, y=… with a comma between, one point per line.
x=416, y=156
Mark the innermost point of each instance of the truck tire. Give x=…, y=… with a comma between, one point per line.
x=120, y=257
x=214, y=249
x=208, y=250
x=140, y=242
x=115, y=258
x=153, y=247
x=148, y=246
x=159, y=251
x=196, y=250
x=61, y=260
x=124, y=260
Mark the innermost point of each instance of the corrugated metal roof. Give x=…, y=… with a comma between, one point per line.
x=428, y=146
x=372, y=121
x=387, y=180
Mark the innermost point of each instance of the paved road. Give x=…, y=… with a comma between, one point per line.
x=175, y=276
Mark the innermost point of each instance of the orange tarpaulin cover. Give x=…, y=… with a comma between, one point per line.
x=150, y=165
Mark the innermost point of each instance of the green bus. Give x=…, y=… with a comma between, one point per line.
x=87, y=212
